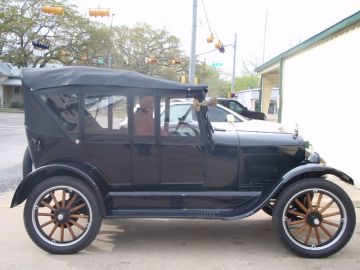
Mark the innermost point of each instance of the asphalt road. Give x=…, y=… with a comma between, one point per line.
x=12, y=145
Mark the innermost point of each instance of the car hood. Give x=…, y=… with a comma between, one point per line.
x=251, y=125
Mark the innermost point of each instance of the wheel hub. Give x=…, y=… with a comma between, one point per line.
x=314, y=219
x=62, y=216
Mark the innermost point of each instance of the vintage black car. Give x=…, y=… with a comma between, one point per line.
x=101, y=145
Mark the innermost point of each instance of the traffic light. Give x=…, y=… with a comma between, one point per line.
x=39, y=45
x=99, y=12
x=220, y=46
x=53, y=10
x=152, y=61
x=175, y=61
x=210, y=39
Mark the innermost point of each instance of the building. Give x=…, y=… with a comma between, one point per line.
x=11, y=94
x=319, y=85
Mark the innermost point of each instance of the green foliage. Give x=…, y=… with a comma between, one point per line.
x=247, y=82
x=211, y=76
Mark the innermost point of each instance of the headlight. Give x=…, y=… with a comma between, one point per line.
x=314, y=158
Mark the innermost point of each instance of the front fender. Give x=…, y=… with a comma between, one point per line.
x=299, y=173
x=40, y=174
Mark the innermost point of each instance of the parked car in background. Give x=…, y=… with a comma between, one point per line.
x=224, y=119
x=166, y=161
x=237, y=107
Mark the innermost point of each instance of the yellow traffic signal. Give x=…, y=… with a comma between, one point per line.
x=175, y=61
x=218, y=44
x=152, y=61
x=99, y=12
x=53, y=10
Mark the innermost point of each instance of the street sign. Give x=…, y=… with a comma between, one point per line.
x=217, y=65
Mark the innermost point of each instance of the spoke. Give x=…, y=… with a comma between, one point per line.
x=300, y=230
x=296, y=213
x=309, y=202
x=326, y=206
x=53, y=230
x=63, y=198
x=318, y=202
x=331, y=214
x=301, y=205
x=325, y=230
x=77, y=224
x=71, y=201
x=46, y=223
x=296, y=222
x=62, y=233
x=55, y=200
x=318, y=235
x=70, y=230
x=77, y=207
x=79, y=216
x=48, y=205
x=331, y=223
x=44, y=214
x=308, y=235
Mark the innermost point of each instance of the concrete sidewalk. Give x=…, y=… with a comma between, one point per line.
x=134, y=244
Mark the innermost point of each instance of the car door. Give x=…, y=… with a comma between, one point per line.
x=182, y=154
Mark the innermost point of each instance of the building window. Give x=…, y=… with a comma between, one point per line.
x=17, y=90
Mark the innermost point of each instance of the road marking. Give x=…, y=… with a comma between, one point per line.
x=5, y=126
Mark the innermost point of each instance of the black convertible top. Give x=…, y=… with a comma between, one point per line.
x=44, y=78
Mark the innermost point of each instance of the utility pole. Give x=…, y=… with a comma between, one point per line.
x=111, y=42
x=265, y=28
x=234, y=65
x=192, y=64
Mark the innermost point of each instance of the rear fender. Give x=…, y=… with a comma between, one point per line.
x=42, y=173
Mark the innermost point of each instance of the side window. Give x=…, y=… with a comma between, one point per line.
x=106, y=114
x=144, y=122
x=178, y=117
x=66, y=109
x=216, y=114
x=235, y=107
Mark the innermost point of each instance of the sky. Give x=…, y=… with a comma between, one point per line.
x=288, y=23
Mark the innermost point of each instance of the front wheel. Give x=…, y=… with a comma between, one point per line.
x=314, y=218
x=62, y=215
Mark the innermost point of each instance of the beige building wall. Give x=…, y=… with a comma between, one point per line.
x=320, y=92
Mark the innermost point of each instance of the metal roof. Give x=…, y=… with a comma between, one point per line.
x=345, y=23
x=45, y=78
x=9, y=70
x=11, y=82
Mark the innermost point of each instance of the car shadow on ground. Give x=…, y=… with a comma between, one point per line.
x=167, y=235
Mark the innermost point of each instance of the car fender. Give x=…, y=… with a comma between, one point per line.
x=40, y=174
x=300, y=173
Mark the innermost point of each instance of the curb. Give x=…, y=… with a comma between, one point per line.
x=10, y=110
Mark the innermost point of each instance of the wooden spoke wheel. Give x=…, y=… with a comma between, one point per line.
x=314, y=218
x=62, y=217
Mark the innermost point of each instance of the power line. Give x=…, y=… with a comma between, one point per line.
x=206, y=16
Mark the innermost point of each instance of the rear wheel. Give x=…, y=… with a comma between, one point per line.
x=314, y=218
x=62, y=215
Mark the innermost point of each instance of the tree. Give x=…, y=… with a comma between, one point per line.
x=23, y=22
x=136, y=46
x=211, y=76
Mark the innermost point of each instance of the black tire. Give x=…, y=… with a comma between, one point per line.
x=305, y=222
x=62, y=215
x=27, y=163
